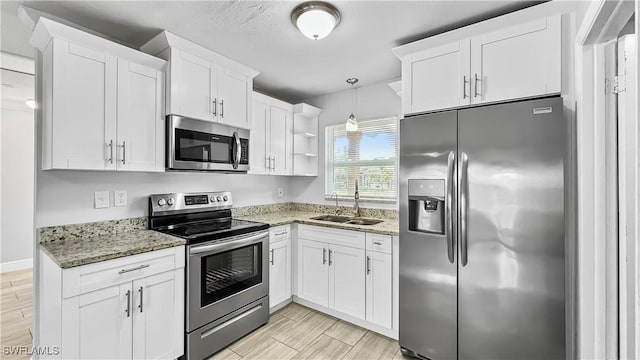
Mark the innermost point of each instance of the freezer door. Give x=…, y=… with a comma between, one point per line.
x=427, y=235
x=511, y=302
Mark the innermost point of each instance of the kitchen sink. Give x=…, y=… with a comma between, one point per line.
x=332, y=218
x=347, y=220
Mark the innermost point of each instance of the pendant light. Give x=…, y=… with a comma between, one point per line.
x=352, y=122
x=315, y=19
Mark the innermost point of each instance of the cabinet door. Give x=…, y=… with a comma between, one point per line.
x=260, y=140
x=83, y=107
x=517, y=62
x=379, y=285
x=233, y=97
x=104, y=324
x=347, y=280
x=313, y=275
x=196, y=86
x=289, y=144
x=279, y=138
x=438, y=78
x=140, y=128
x=156, y=320
x=279, y=272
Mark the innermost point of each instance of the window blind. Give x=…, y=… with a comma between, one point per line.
x=368, y=156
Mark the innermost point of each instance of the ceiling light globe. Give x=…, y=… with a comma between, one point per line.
x=352, y=123
x=316, y=24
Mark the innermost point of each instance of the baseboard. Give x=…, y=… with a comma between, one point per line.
x=16, y=265
x=391, y=333
x=279, y=306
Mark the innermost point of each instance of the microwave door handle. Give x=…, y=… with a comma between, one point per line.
x=237, y=150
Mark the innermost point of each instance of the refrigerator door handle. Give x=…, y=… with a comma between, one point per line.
x=464, y=208
x=449, y=201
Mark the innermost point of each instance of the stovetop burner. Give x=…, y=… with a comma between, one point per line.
x=197, y=217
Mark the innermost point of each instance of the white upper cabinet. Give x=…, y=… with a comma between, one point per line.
x=203, y=84
x=437, y=78
x=271, y=136
x=518, y=58
x=102, y=102
x=517, y=62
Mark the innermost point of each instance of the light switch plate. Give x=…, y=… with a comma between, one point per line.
x=119, y=197
x=101, y=199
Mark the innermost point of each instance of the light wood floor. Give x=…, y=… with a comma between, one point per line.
x=297, y=332
x=16, y=311
x=294, y=332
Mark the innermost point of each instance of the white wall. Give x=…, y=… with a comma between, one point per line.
x=17, y=146
x=66, y=197
x=374, y=101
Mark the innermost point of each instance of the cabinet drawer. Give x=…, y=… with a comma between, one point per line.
x=354, y=239
x=87, y=278
x=379, y=243
x=279, y=233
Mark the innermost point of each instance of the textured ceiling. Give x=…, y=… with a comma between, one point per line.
x=260, y=34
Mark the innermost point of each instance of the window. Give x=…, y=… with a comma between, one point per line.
x=368, y=156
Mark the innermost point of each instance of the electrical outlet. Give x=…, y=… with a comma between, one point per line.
x=101, y=199
x=280, y=192
x=119, y=197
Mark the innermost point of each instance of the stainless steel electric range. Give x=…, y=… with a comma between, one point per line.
x=227, y=274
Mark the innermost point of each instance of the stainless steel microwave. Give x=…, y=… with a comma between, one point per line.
x=205, y=146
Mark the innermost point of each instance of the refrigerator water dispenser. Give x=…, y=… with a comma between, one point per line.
x=426, y=205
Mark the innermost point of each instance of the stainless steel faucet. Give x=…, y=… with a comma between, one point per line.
x=336, y=196
x=356, y=205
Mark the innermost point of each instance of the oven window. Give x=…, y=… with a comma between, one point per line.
x=225, y=274
x=203, y=147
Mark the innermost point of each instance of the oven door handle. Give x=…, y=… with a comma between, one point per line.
x=228, y=245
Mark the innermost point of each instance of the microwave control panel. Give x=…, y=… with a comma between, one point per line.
x=244, y=151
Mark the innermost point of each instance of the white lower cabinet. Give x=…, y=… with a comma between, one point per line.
x=379, y=289
x=126, y=308
x=279, y=267
x=313, y=272
x=347, y=280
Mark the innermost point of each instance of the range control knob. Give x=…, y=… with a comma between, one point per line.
x=212, y=198
x=169, y=201
x=226, y=198
x=219, y=198
x=162, y=202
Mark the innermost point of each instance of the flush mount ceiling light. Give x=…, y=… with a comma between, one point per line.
x=352, y=122
x=315, y=19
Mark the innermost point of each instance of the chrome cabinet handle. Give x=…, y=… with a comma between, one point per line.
x=274, y=163
x=475, y=85
x=124, y=152
x=267, y=164
x=368, y=265
x=110, y=146
x=330, y=252
x=271, y=257
x=133, y=269
x=128, y=310
x=280, y=233
x=464, y=86
x=464, y=208
x=377, y=243
x=449, y=204
x=140, y=292
x=222, y=109
x=215, y=107
x=324, y=256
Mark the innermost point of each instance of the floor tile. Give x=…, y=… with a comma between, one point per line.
x=294, y=311
x=324, y=348
x=303, y=332
x=258, y=337
x=347, y=333
x=373, y=346
x=272, y=349
x=225, y=354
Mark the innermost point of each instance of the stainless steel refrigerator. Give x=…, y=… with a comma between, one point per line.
x=482, y=232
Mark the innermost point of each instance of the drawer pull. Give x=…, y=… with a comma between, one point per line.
x=377, y=243
x=281, y=233
x=123, y=271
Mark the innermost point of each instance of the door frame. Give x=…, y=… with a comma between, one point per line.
x=597, y=312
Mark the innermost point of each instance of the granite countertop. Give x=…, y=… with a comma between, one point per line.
x=76, y=251
x=283, y=217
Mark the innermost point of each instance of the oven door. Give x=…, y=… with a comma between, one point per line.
x=202, y=145
x=223, y=276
